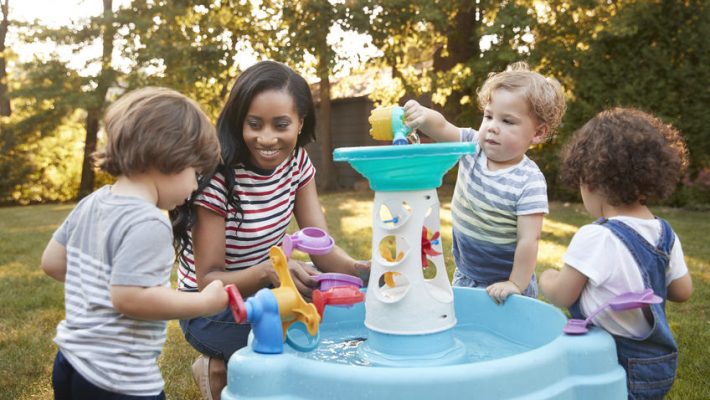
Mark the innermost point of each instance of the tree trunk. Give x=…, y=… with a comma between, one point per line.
x=94, y=111
x=87, y=167
x=5, y=109
x=326, y=170
x=462, y=43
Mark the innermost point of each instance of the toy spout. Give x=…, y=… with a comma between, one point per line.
x=263, y=312
x=388, y=124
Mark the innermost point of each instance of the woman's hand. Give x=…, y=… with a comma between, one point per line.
x=362, y=269
x=301, y=273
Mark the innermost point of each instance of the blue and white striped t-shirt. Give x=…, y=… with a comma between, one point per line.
x=113, y=240
x=485, y=209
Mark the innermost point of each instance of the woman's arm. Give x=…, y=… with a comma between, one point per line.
x=308, y=213
x=209, y=250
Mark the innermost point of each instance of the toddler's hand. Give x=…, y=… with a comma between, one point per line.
x=501, y=290
x=415, y=114
x=214, y=297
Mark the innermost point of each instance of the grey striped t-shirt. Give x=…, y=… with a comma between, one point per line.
x=485, y=209
x=113, y=240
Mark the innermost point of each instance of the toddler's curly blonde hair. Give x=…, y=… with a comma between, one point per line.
x=544, y=95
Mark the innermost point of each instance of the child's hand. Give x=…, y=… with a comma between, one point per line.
x=501, y=290
x=415, y=115
x=214, y=297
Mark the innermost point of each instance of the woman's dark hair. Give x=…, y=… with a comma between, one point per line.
x=627, y=155
x=261, y=77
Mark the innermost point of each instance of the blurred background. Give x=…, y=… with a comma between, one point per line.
x=63, y=62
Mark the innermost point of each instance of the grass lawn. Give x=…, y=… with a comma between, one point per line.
x=32, y=303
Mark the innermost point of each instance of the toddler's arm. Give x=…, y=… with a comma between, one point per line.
x=680, y=289
x=54, y=260
x=164, y=303
x=562, y=288
x=430, y=122
x=529, y=228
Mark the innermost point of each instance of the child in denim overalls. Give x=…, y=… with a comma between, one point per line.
x=621, y=159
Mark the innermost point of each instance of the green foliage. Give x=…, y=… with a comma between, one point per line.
x=41, y=142
x=190, y=46
x=44, y=167
x=650, y=55
x=44, y=94
x=653, y=55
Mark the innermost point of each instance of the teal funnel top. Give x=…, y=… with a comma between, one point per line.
x=401, y=168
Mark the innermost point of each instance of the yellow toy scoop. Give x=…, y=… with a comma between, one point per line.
x=292, y=307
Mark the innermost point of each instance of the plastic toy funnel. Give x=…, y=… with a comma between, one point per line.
x=308, y=240
x=398, y=168
x=388, y=124
x=625, y=301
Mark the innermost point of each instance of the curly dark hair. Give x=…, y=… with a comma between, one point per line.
x=626, y=154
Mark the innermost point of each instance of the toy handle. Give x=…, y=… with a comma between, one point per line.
x=236, y=303
x=308, y=240
x=339, y=295
x=292, y=307
x=400, y=130
x=298, y=337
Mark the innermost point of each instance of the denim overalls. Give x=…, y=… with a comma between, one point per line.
x=650, y=362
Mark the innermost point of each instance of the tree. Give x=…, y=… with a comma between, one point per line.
x=649, y=55
x=97, y=98
x=433, y=47
x=190, y=46
x=302, y=32
x=5, y=109
x=43, y=110
x=89, y=95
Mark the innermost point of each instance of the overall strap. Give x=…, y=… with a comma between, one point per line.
x=650, y=361
x=651, y=260
x=667, y=239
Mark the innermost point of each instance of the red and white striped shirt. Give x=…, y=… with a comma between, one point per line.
x=267, y=200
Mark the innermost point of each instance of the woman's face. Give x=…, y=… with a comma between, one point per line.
x=271, y=128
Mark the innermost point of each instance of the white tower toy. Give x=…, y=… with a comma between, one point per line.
x=408, y=296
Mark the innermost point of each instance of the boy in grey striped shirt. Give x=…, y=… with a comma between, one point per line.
x=114, y=251
x=501, y=195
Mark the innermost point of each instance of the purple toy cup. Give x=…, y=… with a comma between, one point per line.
x=308, y=240
x=331, y=280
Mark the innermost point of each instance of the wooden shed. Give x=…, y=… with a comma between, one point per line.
x=349, y=128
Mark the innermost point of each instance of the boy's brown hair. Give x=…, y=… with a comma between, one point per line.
x=159, y=128
x=544, y=96
x=626, y=154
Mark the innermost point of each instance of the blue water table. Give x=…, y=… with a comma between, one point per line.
x=416, y=337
